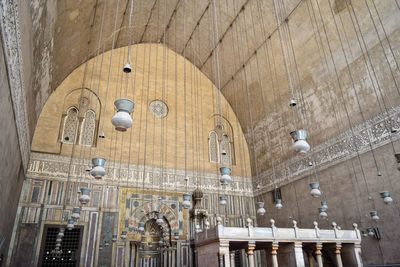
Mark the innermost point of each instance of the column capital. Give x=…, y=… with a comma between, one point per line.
x=224, y=243
x=274, y=248
x=318, y=248
x=251, y=247
x=338, y=247
x=298, y=244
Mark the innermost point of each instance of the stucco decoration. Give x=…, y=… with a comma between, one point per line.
x=55, y=167
x=376, y=131
x=213, y=147
x=70, y=126
x=12, y=49
x=88, y=129
x=159, y=109
x=145, y=212
x=226, y=155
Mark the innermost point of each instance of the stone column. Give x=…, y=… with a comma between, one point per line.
x=250, y=253
x=133, y=254
x=298, y=251
x=170, y=255
x=274, y=254
x=357, y=253
x=224, y=257
x=173, y=255
x=318, y=253
x=127, y=253
x=338, y=256
x=232, y=253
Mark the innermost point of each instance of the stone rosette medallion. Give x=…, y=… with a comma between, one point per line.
x=158, y=108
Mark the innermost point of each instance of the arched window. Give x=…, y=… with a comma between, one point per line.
x=213, y=147
x=87, y=129
x=226, y=155
x=70, y=126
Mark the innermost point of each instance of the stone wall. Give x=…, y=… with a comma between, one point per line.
x=344, y=188
x=118, y=202
x=12, y=173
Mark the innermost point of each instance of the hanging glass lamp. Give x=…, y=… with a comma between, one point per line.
x=261, y=210
x=225, y=175
x=374, y=215
x=197, y=229
x=61, y=232
x=315, y=192
x=98, y=170
x=159, y=220
x=141, y=227
x=322, y=213
x=127, y=68
x=114, y=238
x=370, y=232
x=300, y=145
x=76, y=214
x=122, y=119
x=278, y=204
x=206, y=224
x=85, y=196
x=324, y=204
x=222, y=200
x=70, y=224
x=386, y=197
x=186, y=201
x=176, y=235
x=123, y=235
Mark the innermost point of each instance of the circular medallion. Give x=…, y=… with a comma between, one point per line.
x=158, y=108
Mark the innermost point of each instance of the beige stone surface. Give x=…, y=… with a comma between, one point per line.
x=318, y=30
x=150, y=137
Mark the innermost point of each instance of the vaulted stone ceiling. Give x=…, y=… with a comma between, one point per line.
x=329, y=65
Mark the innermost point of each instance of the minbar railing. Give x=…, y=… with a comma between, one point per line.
x=282, y=246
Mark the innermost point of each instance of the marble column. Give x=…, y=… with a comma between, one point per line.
x=357, y=253
x=318, y=253
x=133, y=254
x=250, y=253
x=170, y=255
x=338, y=256
x=232, y=253
x=274, y=254
x=224, y=255
x=127, y=253
x=298, y=251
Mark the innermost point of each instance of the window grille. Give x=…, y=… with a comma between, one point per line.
x=70, y=247
x=70, y=126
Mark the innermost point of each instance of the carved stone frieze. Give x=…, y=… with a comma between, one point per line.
x=13, y=55
x=375, y=132
x=55, y=167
